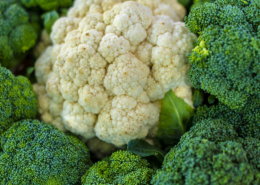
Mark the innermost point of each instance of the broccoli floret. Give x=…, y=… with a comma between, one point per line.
x=38, y=153
x=17, y=99
x=47, y=4
x=122, y=167
x=197, y=3
x=201, y=158
x=200, y=161
x=246, y=122
x=225, y=60
x=252, y=147
x=17, y=35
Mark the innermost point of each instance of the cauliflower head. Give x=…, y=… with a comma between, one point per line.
x=105, y=70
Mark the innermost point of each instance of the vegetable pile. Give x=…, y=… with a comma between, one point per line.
x=141, y=92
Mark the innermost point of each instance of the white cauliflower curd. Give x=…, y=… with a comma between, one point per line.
x=109, y=65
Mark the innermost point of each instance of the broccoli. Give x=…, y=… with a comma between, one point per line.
x=17, y=99
x=20, y=26
x=197, y=3
x=246, y=122
x=225, y=60
x=38, y=153
x=122, y=167
x=17, y=35
x=211, y=153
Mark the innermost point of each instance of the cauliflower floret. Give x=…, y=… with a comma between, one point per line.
x=184, y=92
x=127, y=75
x=45, y=66
x=104, y=73
x=77, y=120
x=50, y=111
x=170, y=8
x=62, y=27
x=43, y=44
x=123, y=119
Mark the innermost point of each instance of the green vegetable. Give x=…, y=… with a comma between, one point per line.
x=122, y=167
x=197, y=3
x=17, y=35
x=144, y=149
x=225, y=60
x=49, y=19
x=211, y=153
x=17, y=99
x=246, y=122
x=175, y=118
x=37, y=153
x=47, y=5
x=20, y=26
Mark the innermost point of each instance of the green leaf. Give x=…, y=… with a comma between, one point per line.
x=144, y=149
x=198, y=98
x=175, y=118
x=49, y=19
x=29, y=71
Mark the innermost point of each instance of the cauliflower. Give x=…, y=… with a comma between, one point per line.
x=106, y=69
x=44, y=42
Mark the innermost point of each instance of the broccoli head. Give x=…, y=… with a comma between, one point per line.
x=225, y=60
x=122, y=167
x=246, y=122
x=17, y=99
x=201, y=158
x=38, y=153
x=17, y=35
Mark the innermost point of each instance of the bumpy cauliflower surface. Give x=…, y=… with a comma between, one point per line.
x=105, y=69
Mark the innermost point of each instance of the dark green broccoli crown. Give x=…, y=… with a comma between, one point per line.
x=16, y=33
x=223, y=12
x=200, y=161
x=246, y=122
x=216, y=130
x=252, y=147
x=211, y=153
x=225, y=61
x=17, y=99
x=47, y=4
x=38, y=153
x=122, y=168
